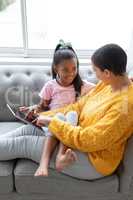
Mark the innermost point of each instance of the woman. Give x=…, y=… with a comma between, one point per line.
x=102, y=132
x=101, y=135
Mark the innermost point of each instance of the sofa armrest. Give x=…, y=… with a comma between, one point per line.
x=126, y=169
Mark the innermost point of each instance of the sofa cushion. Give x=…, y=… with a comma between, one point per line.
x=20, y=86
x=26, y=183
x=126, y=169
x=6, y=167
x=6, y=177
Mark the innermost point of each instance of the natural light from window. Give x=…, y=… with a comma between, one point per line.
x=10, y=26
x=86, y=24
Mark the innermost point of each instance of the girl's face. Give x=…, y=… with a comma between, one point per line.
x=67, y=71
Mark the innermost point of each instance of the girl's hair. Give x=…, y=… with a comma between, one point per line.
x=64, y=51
x=111, y=57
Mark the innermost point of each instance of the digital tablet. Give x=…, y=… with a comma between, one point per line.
x=20, y=116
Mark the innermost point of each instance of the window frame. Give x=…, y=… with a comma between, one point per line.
x=25, y=52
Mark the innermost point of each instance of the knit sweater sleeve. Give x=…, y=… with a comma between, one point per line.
x=95, y=137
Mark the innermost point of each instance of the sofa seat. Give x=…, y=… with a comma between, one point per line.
x=6, y=177
x=22, y=171
x=20, y=85
x=58, y=183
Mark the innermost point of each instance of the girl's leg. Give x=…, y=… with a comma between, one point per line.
x=66, y=156
x=50, y=144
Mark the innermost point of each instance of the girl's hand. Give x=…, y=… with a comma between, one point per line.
x=30, y=113
x=27, y=108
x=43, y=121
x=23, y=109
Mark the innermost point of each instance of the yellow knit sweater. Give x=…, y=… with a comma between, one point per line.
x=105, y=124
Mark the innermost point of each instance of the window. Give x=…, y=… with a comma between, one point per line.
x=10, y=24
x=37, y=25
x=87, y=24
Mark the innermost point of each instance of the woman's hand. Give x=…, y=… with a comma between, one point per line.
x=43, y=121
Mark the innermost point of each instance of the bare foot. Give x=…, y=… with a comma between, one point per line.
x=66, y=159
x=41, y=171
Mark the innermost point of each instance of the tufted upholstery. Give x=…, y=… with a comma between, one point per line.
x=19, y=85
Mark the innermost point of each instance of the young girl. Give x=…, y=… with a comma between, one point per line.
x=65, y=87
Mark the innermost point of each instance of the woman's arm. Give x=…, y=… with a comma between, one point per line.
x=46, y=117
x=109, y=130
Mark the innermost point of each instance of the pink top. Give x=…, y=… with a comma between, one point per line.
x=61, y=96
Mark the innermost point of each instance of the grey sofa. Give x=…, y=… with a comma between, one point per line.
x=19, y=85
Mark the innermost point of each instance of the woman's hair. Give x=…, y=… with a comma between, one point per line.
x=111, y=57
x=64, y=51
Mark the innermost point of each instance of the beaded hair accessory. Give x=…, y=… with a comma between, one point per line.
x=64, y=45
